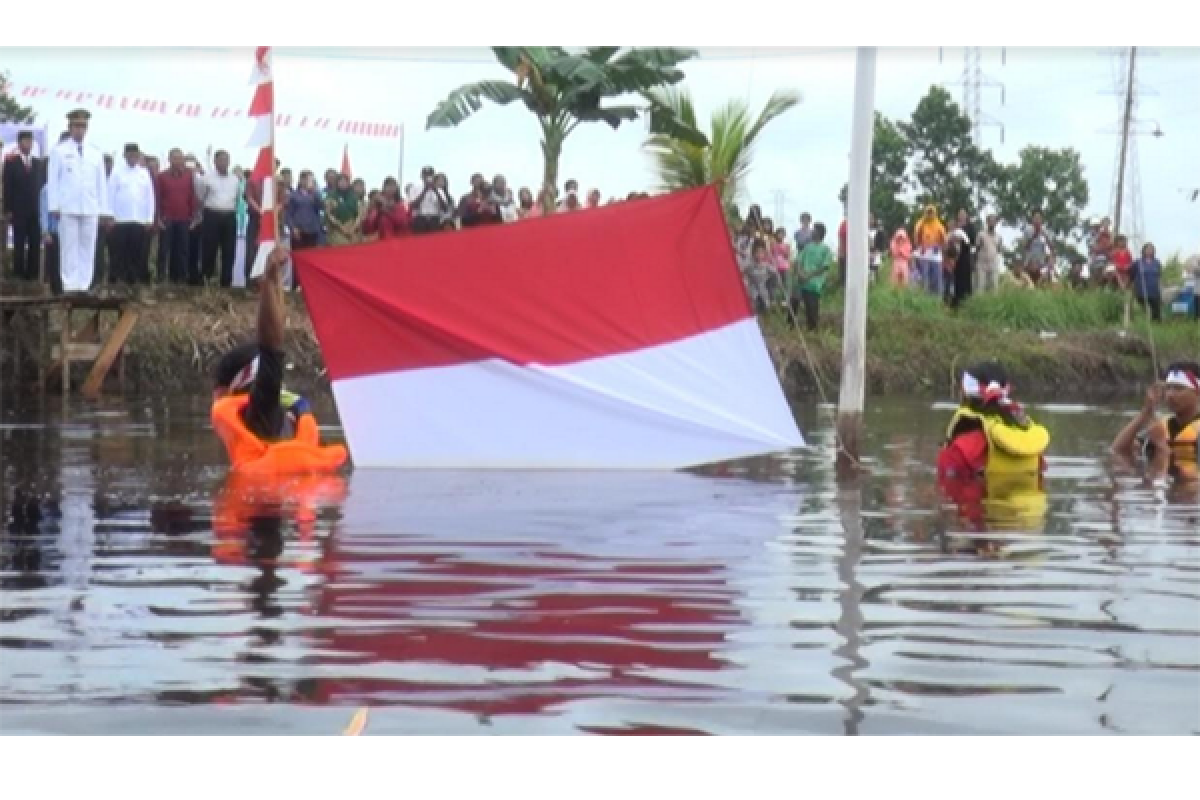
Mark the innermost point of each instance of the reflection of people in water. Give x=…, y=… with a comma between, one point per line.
x=253, y=518
x=265, y=429
x=22, y=552
x=993, y=459
x=251, y=512
x=1169, y=444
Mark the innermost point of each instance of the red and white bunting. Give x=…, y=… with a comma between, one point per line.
x=262, y=110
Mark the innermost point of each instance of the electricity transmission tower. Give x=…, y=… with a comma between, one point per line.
x=1126, y=200
x=974, y=81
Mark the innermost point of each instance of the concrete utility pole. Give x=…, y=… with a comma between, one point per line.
x=1125, y=120
x=854, y=331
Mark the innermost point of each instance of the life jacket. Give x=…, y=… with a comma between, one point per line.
x=302, y=452
x=1011, y=448
x=1184, y=445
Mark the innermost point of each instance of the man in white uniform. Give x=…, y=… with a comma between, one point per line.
x=77, y=196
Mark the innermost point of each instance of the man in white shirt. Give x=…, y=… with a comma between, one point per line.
x=131, y=198
x=77, y=196
x=218, y=194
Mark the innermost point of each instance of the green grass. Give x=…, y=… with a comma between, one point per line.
x=1054, y=310
x=916, y=344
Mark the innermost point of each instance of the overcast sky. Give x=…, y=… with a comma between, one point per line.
x=1053, y=97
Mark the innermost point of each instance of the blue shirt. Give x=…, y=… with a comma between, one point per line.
x=48, y=224
x=1146, y=277
x=304, y=211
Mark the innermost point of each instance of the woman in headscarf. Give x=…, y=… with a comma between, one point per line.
x=344, y=211
x=901, y=255
x=929, y=238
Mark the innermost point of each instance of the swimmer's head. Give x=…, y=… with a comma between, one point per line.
x=235, y=371
x=1182, y=395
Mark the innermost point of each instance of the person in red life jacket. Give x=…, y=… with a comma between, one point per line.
x=265, y=429
x=1171, y=444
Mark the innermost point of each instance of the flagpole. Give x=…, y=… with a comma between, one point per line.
x=854, y=334
x=274, y=184
x=400, y=165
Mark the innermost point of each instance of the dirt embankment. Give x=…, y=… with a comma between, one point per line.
x=181, y=335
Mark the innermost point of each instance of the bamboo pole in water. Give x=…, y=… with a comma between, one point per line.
x=854, y=331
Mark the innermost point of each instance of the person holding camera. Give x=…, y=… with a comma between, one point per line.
x=430, y=205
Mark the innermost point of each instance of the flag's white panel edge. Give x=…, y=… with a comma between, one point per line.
x=710, y=397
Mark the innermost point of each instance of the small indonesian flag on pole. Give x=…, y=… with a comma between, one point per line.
x=346, y=161
x=262, y=111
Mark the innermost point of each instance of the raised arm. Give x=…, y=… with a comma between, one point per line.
x=1126, y=441
x=270, y=301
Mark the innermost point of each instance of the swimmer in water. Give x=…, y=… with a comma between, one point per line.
x=1170, y=445
x=266, y=429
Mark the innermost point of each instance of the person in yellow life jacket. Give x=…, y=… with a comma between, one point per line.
x=990, y=434
x=1170, y=445
x=993, y=459
x=265, y=429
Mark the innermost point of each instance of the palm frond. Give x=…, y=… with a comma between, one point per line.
x=726, y=155
x=601, y=55
x=466, y=100
x=664, y=120
x=509, y=57
x=613, y=115
x=780, y=103
x=640, y=69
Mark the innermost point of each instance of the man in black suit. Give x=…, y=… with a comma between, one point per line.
x=21, y=207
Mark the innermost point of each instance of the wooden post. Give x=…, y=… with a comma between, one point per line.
x=65, y=348
x=854, y=328
x=112, y=348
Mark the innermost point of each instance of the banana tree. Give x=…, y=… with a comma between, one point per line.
x=564, y=89
x=726, y=157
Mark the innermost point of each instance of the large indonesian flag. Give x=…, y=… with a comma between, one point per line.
x=619, y=337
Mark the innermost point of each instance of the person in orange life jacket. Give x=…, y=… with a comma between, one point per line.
x=1169, y=444
x=985, y=397
x=264, y=429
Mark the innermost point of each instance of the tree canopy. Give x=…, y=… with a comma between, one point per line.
x=10, y=109
x=565, y=89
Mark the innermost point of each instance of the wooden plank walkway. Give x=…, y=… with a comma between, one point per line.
x=91, y=343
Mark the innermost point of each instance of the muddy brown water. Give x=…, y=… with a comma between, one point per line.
x=141, y=591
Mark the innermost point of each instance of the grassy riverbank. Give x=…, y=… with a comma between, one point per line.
x=1053, y=342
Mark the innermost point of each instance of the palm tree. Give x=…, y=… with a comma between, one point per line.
x=725, y=159
x=565, y=89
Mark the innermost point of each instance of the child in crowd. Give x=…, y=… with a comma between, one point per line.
x=812, y=267
x=901, y=257
x=758, y=277
x=781, y=253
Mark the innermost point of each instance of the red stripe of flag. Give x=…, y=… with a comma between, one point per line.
x=554, y=290
x=263, y=103
x=264, y=165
